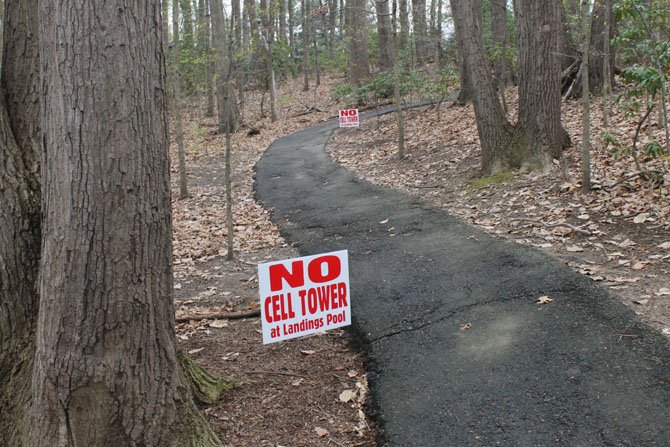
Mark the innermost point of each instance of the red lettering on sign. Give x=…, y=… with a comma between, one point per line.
x=278, y=308
x=315, y=268
x=294, y=278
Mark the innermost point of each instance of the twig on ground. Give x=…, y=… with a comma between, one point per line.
x=251, y=313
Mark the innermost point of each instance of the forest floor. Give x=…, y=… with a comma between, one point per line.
x=312, y=391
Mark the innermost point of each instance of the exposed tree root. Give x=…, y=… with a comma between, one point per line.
x=207, y=388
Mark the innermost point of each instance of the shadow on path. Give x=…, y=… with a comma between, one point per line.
x=580, y=371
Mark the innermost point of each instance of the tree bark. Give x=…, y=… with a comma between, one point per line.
x=306, y=12
x=359, y=60
x=19, y=259
x=404, y=23
x=106, y=371
x=20, y=226
x=602, y=28
x=384, y=32
x=176, y=103
x=227, y=118
x=421, y=43
x=499, y=35
x=495, y=132
x=542, y=136
x=204, y=48
x=465, y=92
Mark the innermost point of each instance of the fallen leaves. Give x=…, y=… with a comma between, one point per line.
x=544, y=300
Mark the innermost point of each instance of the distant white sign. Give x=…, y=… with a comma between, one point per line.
x=349, y=118
x=305, y=295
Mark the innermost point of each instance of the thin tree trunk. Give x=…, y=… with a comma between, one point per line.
x=106, y=369
x=404, y=23
x=420, y=38
x=332, y=23
x=306, y=11
x=499, y=34
x=607, y=76
x=176, y=101
x=465, y=92
x=204, y=41
x=386, y=45
x=282, y=20
x=396, y=94
x=586, y=103
x=227, y=118
x=187, y=45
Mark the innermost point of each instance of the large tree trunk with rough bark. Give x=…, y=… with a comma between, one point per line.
x=384, y=32
x=106, y=371
x=19, y=216
x=19, y=259
x=495, y=132
x=541, y=136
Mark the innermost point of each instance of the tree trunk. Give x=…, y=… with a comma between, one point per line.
x=404, y=23
x=227, y=118
x=306, y=12
x=495, y=132
x=499, y=35
x=465, y=91
x=384, y=32
x=176, y=103
x=542, y=136
x=421, y=43
x=106, y=371
x=254, y=37
x=332, y=22
x=204, y=30
x=607, y=69
x=187, y=45
x=602, y=28
x=359, y=60
x=19, y=216
x=586, y=99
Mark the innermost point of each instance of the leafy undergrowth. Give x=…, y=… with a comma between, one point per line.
x=617, y=234
x=306, y=392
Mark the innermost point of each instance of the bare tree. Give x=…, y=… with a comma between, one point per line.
x=421, y=43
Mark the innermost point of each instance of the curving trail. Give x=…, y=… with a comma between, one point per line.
x=579, y=371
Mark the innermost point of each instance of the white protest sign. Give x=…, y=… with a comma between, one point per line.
x=301, y=296
x=349, y=118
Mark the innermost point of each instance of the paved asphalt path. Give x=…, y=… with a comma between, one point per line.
x=580, y=371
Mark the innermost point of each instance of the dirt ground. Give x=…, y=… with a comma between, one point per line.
x=617, y=234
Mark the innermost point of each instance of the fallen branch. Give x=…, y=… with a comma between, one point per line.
x=251, y=313
x=643, y=174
